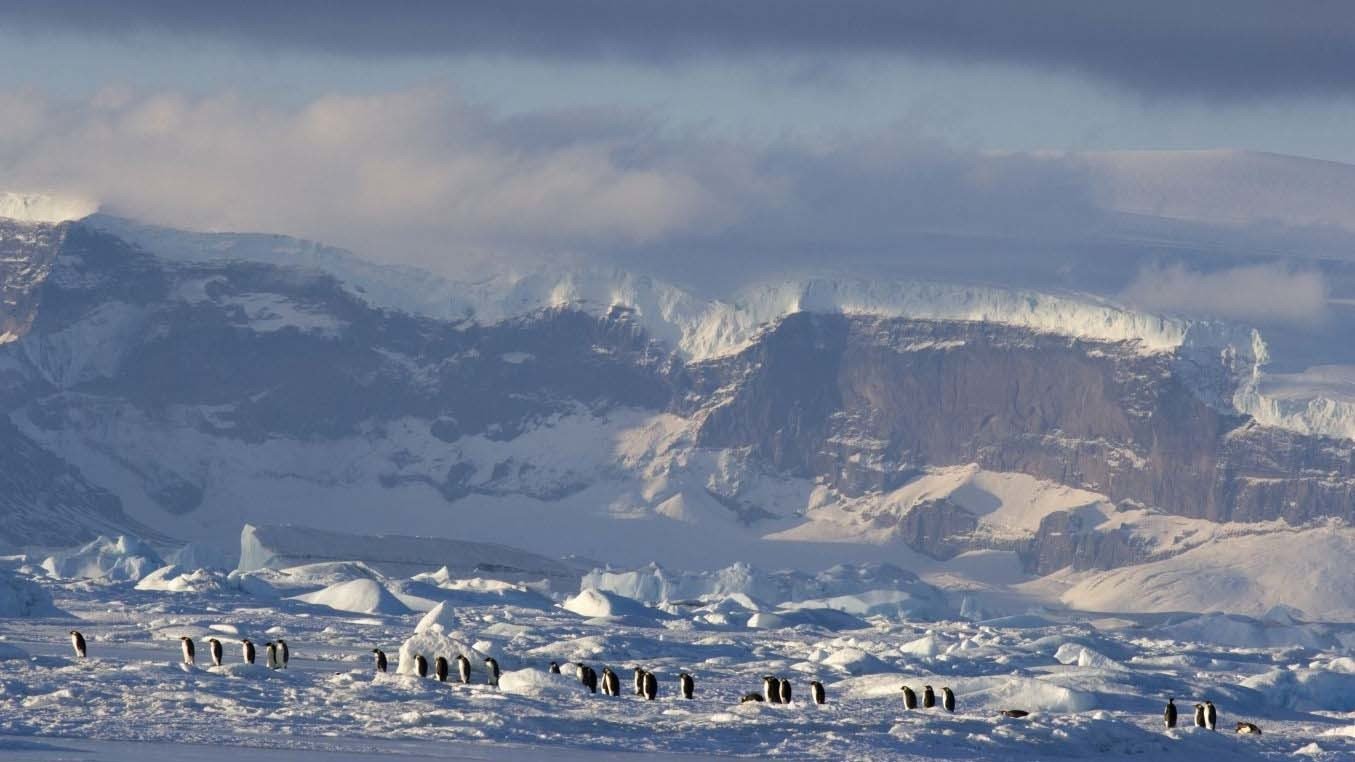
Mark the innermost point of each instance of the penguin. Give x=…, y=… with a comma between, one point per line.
x=771, y=688
x=187, y=644
x=554, y=668
x=284, y=653
x=1199, y=715
x=421, y=665
x=271, y=654
x=380, y=659
x=440, y=668
x=78, y=643
x=247, y=650
x=463, y=669
x=651, y=686
x=214, y=646
x=492, y=667
x=589, y=677
x=1211, y=716
x=785, y=691
x=747, y=697
x=909, y=698
x=1169, y=714
x=816, y=690
x=611, y=684
x=928, y=697
x=1015, y=713
x=687, y=684
x=948, y=700
x=639, y=681
x=1247, y=727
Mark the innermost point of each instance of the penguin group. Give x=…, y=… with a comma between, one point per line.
x=775, y=690
x=928, y=698
x=778, y=690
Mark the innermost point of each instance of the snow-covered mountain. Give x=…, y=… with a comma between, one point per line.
x=179, y=385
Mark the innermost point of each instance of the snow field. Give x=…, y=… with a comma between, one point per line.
x=1092, y=690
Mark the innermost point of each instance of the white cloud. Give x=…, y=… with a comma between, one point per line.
x=1251, y=293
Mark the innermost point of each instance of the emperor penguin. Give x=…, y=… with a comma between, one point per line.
x=284, y=653
x=948, y=700
x=271, y=654
x=214, y=646
x=816, y=690
x=1169, y=714
x=651, y=686
x=1247, y=727
x=687, y=684
x=492, y=667
x=463, y=668
x=611, y=684
x=420, y=665
x=771, y=688
x=747, y=697
x=909, y=698
x=1015, y=714
x=554, y=668
x=247, y=650
x=639, y=681
x=187, y=644
x=78, y=643
x=928, y=697
x=1199, y=715
x=784, y=689
x=589, y=677
x=380, y=659
x=440, y=668
x=1211, y=715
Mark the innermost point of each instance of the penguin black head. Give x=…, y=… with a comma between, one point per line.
x=376, y=650
x=247, y=640
x=74, y=632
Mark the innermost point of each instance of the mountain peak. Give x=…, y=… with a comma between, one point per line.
x=42, y=207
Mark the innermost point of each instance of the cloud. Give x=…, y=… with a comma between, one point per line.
x=1268, y=293
x=422, y=176
x=1221, y=48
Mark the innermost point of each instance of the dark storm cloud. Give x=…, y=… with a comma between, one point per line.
x=1217, y=48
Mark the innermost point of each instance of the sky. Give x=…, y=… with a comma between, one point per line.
x=729, y=140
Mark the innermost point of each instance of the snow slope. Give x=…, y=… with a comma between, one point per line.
x=1250, y=574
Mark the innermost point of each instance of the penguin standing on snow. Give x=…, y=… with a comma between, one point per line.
x=492, y=667
x=1169, y=714
x=611, y=684
x=651, y=686
x=421, y=665
x=909, y=698
x=639, y=681
x=1211, y=716
x=284, y=653
x=214, y=646
x=785, y=691
x=554, y=668
x=948, y=700
x=78, y=643
x=463, y=668
x=380, y=659
x=687, y=684
x=440, y=668
x=271, y=654
x=771, y=688
x=187, y=644
x=1199, y=715
x=247, y=650
x=589, y=677
x=816, y=690
x=928, y=697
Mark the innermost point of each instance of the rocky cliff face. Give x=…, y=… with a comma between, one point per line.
x=144, y=390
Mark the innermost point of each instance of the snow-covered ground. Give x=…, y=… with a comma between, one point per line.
x=1094, y=684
